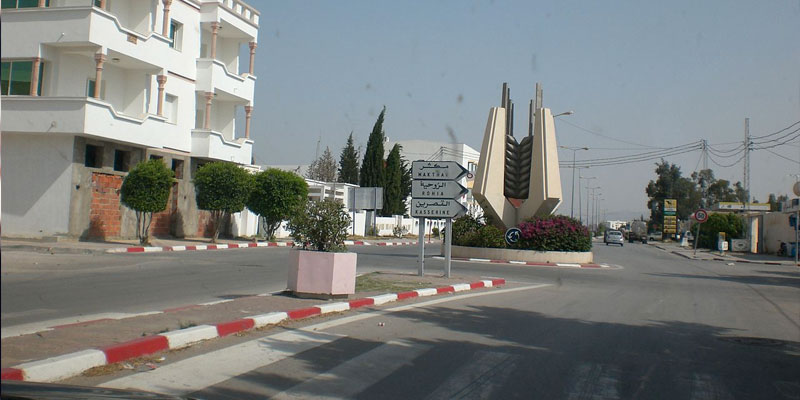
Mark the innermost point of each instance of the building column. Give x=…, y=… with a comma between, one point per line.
x=103, y=4
x=165, y=24
x=37, y=62
x=214, y=32
x=99, y=58
x=248, y=112
x=42, y=3
x=207, y=121
x=162, y=80
x=253, y=46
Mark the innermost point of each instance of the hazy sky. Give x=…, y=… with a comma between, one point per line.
x=656, y=74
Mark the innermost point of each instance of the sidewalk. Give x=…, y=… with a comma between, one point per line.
x=708, y=255
x=137, y=342
x=73, y=246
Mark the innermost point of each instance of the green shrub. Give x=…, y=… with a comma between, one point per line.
x=731, y=224
x=435, y=231
x=323, y=226
x=276, y=196
x=222, y=188
x=554, y=233
x=146, y=190
x=489, y=236
x=464, y=230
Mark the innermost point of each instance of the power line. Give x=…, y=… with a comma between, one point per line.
x=607, y=137
x=783, y=157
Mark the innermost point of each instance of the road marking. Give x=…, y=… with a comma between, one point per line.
x=568, y=265
x=211, y=303
x=205, y=370
x=198, y=372
x=479, y=376
x=354, y=376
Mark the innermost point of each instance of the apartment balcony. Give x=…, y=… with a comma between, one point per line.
x=86, y=116
x=214, y=76
x=67, y=24
x=213, y=145
x=237, y=13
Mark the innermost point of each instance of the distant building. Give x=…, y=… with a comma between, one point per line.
x=90, y=88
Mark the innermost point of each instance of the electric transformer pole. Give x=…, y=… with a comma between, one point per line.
x=746, y=163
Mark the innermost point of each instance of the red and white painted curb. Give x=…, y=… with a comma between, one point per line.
x=72, y=364
x=157, y=249
x=735, y=261
x=533, y=263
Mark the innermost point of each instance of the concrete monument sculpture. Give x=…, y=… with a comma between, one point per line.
x=517, y=180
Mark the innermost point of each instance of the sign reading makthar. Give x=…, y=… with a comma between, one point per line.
x=516, y=180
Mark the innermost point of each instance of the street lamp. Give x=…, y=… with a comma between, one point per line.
x=574, y=149
x=580, y=203
x=588, y=204
x=570, y=112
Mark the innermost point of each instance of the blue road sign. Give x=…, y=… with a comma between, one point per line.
x=512, y=235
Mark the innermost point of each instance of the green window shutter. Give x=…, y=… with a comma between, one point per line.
x=90, y=88
x=20, y=78
x=41, y=79
x=6, y=75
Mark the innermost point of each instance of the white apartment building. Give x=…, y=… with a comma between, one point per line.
x=426, y=150
x=91, y=87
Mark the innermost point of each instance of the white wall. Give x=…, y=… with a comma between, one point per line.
x=37, y=180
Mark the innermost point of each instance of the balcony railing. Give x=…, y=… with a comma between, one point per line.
x=241, y=9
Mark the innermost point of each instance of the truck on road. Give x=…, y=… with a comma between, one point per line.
x=638, y=232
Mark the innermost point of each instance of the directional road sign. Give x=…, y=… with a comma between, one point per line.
x=437, y=189
x=512, y=236
x=437, y=170
x=437, y=208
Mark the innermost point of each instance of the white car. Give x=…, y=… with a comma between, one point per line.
x=614, y=237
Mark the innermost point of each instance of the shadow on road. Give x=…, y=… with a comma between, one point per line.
x=495, y=352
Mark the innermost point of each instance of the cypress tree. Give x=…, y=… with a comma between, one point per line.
x=348, y=163
x=372, y=169
x=392, y=190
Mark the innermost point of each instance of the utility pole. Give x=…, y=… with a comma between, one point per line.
x=572, y=201
x=747, y=164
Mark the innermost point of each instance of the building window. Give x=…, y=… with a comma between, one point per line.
x=155, y=157
x=122, y=160
x=175, y=34
x=94, y=156
x=15, y=78
x=90, y=84
x=177, y=168
x=23, y=3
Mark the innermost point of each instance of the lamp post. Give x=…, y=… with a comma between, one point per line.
x=580, y=203
x=588, y=205
x=570, y=112
x=574, y=149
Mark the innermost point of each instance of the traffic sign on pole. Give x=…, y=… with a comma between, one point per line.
x=437, y=189
x=437, y=208
x=701, y=215
x=437, y=170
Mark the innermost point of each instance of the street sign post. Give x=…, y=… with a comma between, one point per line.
x=437, y=170
x=700, y=216
x=437, y=189
x=437, y=208
x=434, y=194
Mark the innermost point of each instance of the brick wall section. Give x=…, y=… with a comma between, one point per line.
x=204, y=226
x=105, y=216
x=162, y=222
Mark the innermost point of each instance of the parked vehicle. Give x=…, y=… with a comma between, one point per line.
x=614, y=237
x=638, y=232
x=655, y=235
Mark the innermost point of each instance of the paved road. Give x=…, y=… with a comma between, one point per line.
x=661, y=327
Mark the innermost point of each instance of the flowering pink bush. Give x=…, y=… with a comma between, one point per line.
x=554, y=233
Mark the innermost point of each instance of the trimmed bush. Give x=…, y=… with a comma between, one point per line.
x=277, y=196
x=146, y=190
x=554, y=233
x=222, y=188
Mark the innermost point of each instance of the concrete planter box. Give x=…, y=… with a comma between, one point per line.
x=322, y=274
x=523, y=255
